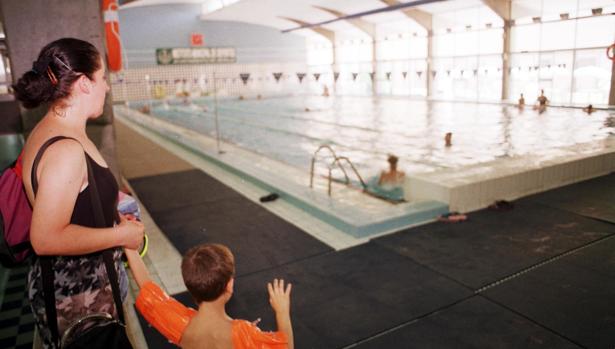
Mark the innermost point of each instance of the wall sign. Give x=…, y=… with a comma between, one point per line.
x=195, y=55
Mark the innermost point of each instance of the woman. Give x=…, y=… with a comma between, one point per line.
x=69, y=76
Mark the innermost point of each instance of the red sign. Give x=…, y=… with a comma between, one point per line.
x=196, y=39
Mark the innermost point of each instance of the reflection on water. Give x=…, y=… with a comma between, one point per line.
x=367, y=129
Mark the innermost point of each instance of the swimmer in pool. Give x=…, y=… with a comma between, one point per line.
x=392, y=176
x=448, y=139
x=589, y=109
x=521, y=103
x=542, y=102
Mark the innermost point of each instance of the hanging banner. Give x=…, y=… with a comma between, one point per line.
x=336, y=76
x=475, y=72
x=388, y=74
x=354, y=76
x=277, y=76
x=419, y=73
x=433, y=73
x=404, y=73
x=244, y=77
x=316, y=76
x=300, y=76
x=462, y=72
x=195, y=55
x=372, y=75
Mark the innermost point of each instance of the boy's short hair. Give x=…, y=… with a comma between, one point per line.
x=206, y=270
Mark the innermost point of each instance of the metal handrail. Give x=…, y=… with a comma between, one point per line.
x=337, y=160
x=354, y=169
x=324, y=146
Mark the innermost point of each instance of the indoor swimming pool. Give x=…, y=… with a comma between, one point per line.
x=366, y=130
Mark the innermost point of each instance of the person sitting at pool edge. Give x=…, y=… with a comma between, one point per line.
x=392, y=176
x=208, y=271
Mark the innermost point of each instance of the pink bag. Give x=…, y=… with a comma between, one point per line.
x=15, y=219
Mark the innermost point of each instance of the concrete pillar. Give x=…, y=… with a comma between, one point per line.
x=506, y=61
x=612, y=94
x=31, y=24
x=429, y=63
x=374, y=67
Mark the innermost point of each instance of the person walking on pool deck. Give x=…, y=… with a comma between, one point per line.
x=208, y=271
x=69, y=75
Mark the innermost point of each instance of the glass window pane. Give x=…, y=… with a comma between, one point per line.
x=557, y=35
x=595, y=31
x=592, y=77
x=491, y=41
x=525, y=38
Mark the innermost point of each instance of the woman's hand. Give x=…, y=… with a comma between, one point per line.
x=130, y=232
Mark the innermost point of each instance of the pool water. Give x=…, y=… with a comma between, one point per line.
x=366, y=129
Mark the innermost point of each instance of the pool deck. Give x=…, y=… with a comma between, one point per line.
x=477, y=186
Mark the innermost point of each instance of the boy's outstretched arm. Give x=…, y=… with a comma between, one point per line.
x=137, y=267
x=279, y=298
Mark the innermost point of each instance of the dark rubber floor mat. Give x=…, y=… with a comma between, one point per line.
x=472, y=324
x=571, y=295
x=258, y=238
x=179, y=189
x=592, y=198
x=343, y=297
x=491, y=245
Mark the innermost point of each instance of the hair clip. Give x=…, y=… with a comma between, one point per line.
x=62, y=62
x=52, y=76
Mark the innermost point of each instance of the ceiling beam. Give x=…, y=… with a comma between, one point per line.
x=364, y=26
x=328, y=34
x=502, y=8
x=367, y=13
x=422, y=18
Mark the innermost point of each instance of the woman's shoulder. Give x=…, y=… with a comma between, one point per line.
x=64, y=153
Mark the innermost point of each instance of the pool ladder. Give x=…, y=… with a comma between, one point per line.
x=337, y=160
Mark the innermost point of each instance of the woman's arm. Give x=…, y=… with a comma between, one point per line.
x=137, y=267
x=62, y=173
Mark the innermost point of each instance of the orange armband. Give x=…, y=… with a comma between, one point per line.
x=164, y=313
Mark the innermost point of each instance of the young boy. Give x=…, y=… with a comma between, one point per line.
x=208, y=272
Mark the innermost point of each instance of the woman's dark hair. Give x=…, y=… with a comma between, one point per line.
x=58, y=65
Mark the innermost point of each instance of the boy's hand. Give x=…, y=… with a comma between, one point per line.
x=279, y=297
